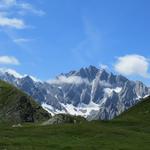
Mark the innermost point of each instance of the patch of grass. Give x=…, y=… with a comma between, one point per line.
x=86, y=136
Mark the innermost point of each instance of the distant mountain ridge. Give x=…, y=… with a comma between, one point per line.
x=90, y=92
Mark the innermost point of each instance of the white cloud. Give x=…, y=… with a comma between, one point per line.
x=12, y=16
x=103, y=66
x=26, y=7
x=12, y=22
x=11, y=71
x=21, y=7
x=104, y=84
x=11, y=9
x=10, y=60
x=133, y=65
x=68, y=80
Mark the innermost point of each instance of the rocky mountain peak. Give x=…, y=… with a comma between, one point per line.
x=95, y=93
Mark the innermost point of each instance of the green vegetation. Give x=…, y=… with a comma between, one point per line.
x=86, y=136
x=137, y=114
x=129, y=131
x=17, y=107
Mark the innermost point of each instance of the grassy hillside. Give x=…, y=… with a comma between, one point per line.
x=138, y=114
x=16, y=106
x=130, y=131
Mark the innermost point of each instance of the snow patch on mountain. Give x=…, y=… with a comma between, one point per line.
x=11, y=72
x=17, y=75
x=33, y=78
x=52, y=110
x=109, y=91
x=81, y=110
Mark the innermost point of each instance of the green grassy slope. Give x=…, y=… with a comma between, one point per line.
x=130, y=131
x=16, y=106
x=140, y=113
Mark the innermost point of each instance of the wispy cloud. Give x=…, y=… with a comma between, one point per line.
x=28, y=8
x=7, y=3
x=90, y=45
x=20, y=7
x=68, y=80
x=12, y=18
x=12, y=22
x=22, y=40
x=9, y=60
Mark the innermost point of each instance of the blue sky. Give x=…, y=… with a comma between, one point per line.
x=46, y=37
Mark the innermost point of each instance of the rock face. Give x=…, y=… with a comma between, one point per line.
x=17, y=107
x=90, y=92
x=64, y=119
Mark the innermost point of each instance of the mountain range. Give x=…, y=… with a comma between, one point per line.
x=93, y=93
